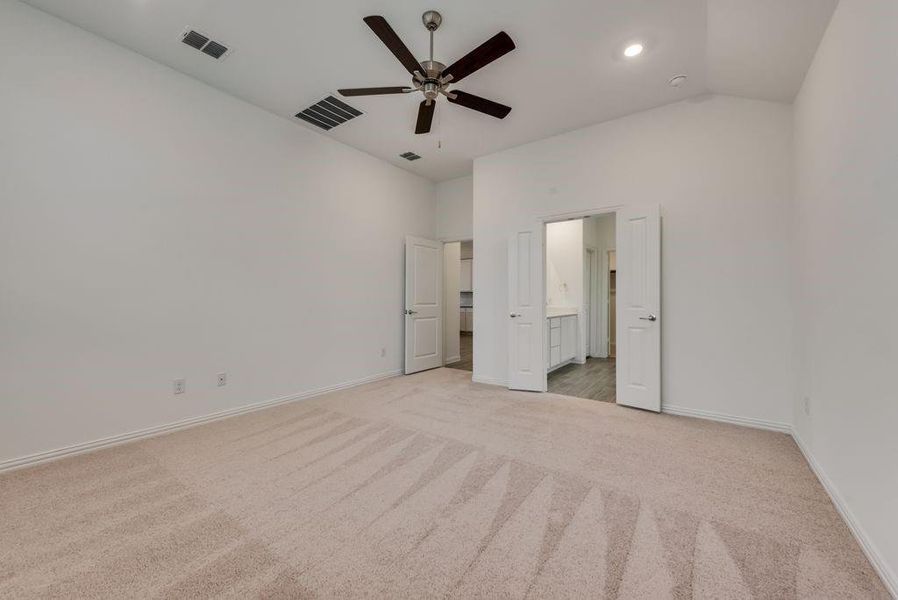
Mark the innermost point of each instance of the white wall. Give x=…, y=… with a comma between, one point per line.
x=451, y=304
x=564, y=264
x=154, y=228
x=846, y=127
x=721, y=169
x=455, y=210
x=599, y=233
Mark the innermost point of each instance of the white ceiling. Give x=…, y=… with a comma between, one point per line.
x=566, y=72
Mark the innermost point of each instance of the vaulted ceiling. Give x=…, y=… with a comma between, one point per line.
x=567, y=71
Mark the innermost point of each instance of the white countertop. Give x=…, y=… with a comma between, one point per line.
x=560, y=311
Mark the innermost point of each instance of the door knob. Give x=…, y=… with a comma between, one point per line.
x=411, y=312
x=514, y=315
x=649, y=318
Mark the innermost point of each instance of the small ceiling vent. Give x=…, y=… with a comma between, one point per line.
x=204, y=44
x=409, y=156
x=328, y=113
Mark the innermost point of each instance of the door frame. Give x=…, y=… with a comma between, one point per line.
x=457, y=304
x=555, y=218
x=608, y=315
x=596, y=323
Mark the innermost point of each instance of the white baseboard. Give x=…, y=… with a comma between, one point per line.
x=452, y=359
x=40, y=457
x=888, y=576
x=873, y=555
x=725, y=418
x=564, y=364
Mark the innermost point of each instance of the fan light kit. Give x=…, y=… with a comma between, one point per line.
x=433, y=78
x=633, y=50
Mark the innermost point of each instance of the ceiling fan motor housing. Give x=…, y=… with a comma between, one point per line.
x=432, y=69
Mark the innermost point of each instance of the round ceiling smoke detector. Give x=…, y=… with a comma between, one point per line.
x=677, y=81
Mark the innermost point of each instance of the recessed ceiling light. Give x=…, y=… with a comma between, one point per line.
x=633, y=50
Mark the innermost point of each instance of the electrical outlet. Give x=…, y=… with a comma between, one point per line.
x=807, y=406
x=383, y=352
x=222, y=379
x=180, y=386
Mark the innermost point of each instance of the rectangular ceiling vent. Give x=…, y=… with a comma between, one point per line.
x=328, y=113
x=409, y=156
x=204, y=44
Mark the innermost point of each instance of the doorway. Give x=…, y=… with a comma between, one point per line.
x=579, y=314
x=459, y=303
x=543, y=326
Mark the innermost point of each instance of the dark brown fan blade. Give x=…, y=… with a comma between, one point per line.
x=373, y=91
x=494, y=109
x=382, y=29
x=425, y=116
x=498, y=45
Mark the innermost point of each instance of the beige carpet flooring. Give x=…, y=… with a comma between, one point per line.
x=431, y=486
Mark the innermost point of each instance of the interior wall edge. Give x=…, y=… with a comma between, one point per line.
x=115, y=440
x=684, y=411
x=889, y=577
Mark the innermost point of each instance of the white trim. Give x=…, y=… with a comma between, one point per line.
x=40, y=457
x=580, y=214
x=489, y=380
x=888, y=576
x=872, y=553
x=725, y=418
x=885, y=573
x=544, y=221
x=570, y=361
x=452, y=359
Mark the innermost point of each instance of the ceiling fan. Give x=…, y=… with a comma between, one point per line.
x=432, y=78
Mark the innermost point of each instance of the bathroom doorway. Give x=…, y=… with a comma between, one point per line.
x=580, y=278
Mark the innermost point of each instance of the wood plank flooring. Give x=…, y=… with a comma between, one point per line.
x=594, y=380
x=466, y=347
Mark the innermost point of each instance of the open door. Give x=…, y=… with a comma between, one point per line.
x=423, y=304
x=526, y=322
x=638, y=307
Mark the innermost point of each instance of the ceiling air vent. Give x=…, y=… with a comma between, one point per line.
x=328, y=113
x=201, y=42
x=214, y=49
x=409, y=156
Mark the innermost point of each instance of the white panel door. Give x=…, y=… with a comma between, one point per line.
x=526, y=350
x=639, y=307
x=423, y=304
